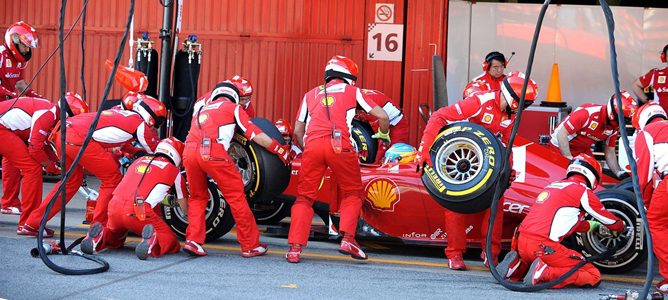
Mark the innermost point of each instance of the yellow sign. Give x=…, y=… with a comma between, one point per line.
x=542, y=197
x=382, y=194
x=202, y=118
x=141, y=169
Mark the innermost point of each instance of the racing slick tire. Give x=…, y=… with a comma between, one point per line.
x=219, y=218
x=270, y=213
x=263, y=173
x=632, y=246
x=468, y=163
x=366, y=147
x=626, y=184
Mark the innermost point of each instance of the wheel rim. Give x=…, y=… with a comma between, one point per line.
x=600, y=243
x=183, y=217
x=460, y=161
x=242, y=161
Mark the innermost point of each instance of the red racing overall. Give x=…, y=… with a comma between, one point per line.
x=11, y=72
x=319, y=154
x=24, y=127
x=651, y=148
x=160, y=176
x=557, y=213
x=398, y=122
x=585, y=126
x=658, y=80
x=216, y=122
x=482, y=109
x=115, y=128
x=494, y=83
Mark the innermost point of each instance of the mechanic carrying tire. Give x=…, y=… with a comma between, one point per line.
x=326, y=143
x=206, y=153
x=651, y=154
x=492, y=110
x=537, y=254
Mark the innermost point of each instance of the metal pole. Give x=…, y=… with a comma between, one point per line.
x=166, y=56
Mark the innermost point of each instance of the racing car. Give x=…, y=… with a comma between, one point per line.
x=402, y=205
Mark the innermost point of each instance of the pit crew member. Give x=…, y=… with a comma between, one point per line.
x=398, y=121
x=557, y=213
x=655, y=80
x=592, y=123
x=20, y=39
x=323, y=129
x=115, y=128
x=208, y=140
x=131, y=209
x=651, y=151
x=24, y=126
x=495, y=111
x=493, y=66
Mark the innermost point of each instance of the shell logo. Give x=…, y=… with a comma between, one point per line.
x=542, y=197
x=142, y=169
x=487, y=118
x=202, y=118
x=593, y=125
x=328, y=101
x=382, y=194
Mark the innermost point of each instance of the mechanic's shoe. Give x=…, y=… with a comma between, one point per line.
x=456, y=263
x=294, y=254
x=257, y=251
x=92, y=239
x=537, y=273
x=28, y=230
x=350, y=247
x=483, y=256
x=509, y=264
x=11, y=211
x=662, y=286
x=194, y=248
x=148, y=240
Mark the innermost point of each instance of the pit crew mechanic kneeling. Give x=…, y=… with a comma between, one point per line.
x=322, y=128
x=208, y=140
x=557, y=213
x=591, y=123
x=115, y=128
x=146, y=183
x=651, y=148
x=495, y=111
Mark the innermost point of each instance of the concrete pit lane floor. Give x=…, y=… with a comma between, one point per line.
x=392, y=271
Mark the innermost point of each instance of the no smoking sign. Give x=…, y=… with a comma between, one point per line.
x=384, y=13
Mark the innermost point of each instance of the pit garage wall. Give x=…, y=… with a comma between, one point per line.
x=575, y=37
x=280, y=45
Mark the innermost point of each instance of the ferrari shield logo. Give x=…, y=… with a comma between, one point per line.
x=487, y=118
x=542, y=196
x=661, y=79
x=382, y=194
x=593, y=125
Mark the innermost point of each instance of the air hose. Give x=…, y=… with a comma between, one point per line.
x=501, y=188
x=66, y=175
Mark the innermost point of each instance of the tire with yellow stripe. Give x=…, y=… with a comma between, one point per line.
x=263, y=173
x=468, y=163
x=366, y=147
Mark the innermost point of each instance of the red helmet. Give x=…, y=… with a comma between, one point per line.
x=512, y=89
x=76, y=104
x=225, y=89
x=475, y=87
x=244, y=86
x=150, y=109
x=588, y=167
x=629, y=106
x=21, y=33
x=646, y=113
x=172, y=148
x=285, y=129
x=341, y=67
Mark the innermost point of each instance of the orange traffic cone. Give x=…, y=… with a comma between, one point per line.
x=553, y=97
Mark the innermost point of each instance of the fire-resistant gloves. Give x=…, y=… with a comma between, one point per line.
x=383, y=136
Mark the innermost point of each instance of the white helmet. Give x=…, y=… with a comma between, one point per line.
x=172, y=148
x=647, y=113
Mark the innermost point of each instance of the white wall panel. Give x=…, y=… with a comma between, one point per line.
x=459, y=38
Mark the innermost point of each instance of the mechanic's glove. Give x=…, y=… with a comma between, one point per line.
x=422, y=157
x=282, y=151
x=383, y=136
x=593, y=225
x=621, y=175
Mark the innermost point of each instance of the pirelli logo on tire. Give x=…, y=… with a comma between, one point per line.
x=438, y=184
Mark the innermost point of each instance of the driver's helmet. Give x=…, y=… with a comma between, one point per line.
x=400, y=153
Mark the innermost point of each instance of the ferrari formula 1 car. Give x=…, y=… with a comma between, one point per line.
x=402, y=205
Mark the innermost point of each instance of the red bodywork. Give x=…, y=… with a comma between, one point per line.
x=407, y=212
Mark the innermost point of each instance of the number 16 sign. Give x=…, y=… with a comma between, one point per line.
x=385, y=42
